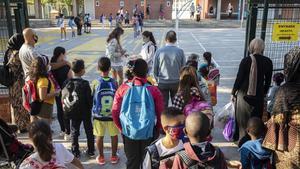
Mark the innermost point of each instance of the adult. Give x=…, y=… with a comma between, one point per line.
x=161, y=12
x=192, y=9
x=116, y=53
x=229, y=9
x=20, y=116
x=135, y=9
x=127, y=18
x=27, y=52
x=166, y=68
x=148, y=11
x=78, y=23
x=283, y=135
x=148, y=48
x=61, y=75
x=251, y=86
x=61, y=24
x=199, y=9
x=136, y=25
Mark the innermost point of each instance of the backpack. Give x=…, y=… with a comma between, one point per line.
x=155, y=47
x=52, y=164
x=198, y=106
x=70, y=97
x=6, y=77
x=154, y=155
x=190, y=163
x=31, y=101
x=137, y=114
x=103, y=99
x=214, y=75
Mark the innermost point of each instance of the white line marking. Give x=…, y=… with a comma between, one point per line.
x=200, y=44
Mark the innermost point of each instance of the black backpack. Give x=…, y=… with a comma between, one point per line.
x=154, y=155
x=155, y=48
x=6, y=77
x=72, y=96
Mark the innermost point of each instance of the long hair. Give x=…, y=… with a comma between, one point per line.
x=188, y=79
x=149, y=35
x=38, y=69
x=207, y=57
x=115, y=34
x=57, y=52
x=257, y=46
x=41, y=136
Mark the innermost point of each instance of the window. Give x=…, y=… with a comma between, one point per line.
x=97, y=3
x=142, y=2
x=121, y=3
x=168, y=3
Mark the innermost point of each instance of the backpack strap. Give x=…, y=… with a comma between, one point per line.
x=188, y=161
x=154, y=155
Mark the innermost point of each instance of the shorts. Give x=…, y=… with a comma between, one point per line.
x=101, y=126
x=117, y=68
x=88, y=24
x=46, y=111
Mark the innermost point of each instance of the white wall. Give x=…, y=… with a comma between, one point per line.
x=89, y=7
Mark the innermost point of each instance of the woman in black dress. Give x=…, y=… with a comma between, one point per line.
x=251, y=86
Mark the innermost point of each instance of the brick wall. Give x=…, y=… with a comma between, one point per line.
x=5, y=108
x=112, y=6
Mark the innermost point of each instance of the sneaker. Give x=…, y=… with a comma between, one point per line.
x=100, y=160
x=67, y=137
x=76, y=154
x=62, y=134
x=62, y=39
x=90, y=154
x=114, y=159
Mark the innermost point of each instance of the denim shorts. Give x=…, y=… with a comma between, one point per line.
x=117, y=68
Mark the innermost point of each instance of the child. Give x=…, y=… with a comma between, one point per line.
x=210, y=84
x=252, y=154
x=278, y=78
x=129, y=108
x=198, y=152
x=110, y=19
x=77, y=105
x=48, y=155
x=104, y=89
x=72, y=25
x=160, y=154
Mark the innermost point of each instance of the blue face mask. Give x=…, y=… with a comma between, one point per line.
x=176, y=132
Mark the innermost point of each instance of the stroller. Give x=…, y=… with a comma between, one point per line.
x=12, y=152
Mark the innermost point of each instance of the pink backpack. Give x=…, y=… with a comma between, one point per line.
x=199, y=106
x=214, y=75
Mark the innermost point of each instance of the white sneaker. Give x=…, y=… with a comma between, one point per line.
x=62, y=134
x=62, y=40
x=67, y=137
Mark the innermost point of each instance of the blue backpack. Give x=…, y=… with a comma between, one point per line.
x=103, y=99
x=137, y=114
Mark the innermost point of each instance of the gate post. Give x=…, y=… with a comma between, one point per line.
x=265, y=20
x=251, y=26
x=9, y=19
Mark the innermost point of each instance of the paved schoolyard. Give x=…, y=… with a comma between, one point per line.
x=227, y=46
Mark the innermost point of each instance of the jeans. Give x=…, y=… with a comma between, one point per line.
x=88, y=127
x=63, y=122
x=168, y=90
x=135, y=151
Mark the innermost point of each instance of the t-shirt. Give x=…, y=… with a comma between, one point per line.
x=162, y=151
x=43, y=83
x=61, y=75
x=26, y=54
x=63, y=157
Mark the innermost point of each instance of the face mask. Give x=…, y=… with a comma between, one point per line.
x=36, y=38
x=176, y=132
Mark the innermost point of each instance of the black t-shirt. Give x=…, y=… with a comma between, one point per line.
x=61, y=74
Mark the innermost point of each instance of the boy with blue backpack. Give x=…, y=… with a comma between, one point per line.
x=103, y=90
x=136, y=112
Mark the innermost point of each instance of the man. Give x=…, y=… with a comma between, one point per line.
x=27, y=52
x=78, y=23
x=167, y=64
x=192, y=9
x=148, y=11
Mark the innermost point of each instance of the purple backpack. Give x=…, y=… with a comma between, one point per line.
x=229, y=129
x=198, y=106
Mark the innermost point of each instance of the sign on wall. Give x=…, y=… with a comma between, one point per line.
x=122, y=3
x=286, y=32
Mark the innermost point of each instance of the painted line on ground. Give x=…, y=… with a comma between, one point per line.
x=200, y=44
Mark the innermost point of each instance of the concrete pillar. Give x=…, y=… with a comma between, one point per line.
x=74, y=8
x=219, y=10
x=37, y=9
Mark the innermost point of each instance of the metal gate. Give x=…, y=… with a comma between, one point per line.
x=264, y=18
x=13, y=18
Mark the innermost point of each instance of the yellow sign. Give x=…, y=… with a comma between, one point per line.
x=286, y=32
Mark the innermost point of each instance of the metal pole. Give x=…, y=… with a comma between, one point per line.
x=243, y=13
x=265, y=20
x=9, y=19
x=239, y=12
x=177, y=19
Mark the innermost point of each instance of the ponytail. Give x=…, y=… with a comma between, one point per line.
x=207, y=57
x=40, y=134
x=149, y=35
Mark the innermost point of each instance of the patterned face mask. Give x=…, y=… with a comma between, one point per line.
x=176, y=132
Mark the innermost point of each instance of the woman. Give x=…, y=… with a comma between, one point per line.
x=136, y=25
x=116, y=53
x=148, y=49
x=45, y=91
x=188, y=88
x=251, y=86
x=61, y=24
x=20, y=116
x=61, y=75
x=49, y=154
x=283, y=135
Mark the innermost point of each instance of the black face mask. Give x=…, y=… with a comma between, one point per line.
x=36, y=38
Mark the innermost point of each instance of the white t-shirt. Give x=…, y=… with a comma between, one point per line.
x=63, y=157
x=26, y=54
x=162, y=151
x=147, y=53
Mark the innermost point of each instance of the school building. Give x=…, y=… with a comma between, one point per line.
x=215, y=9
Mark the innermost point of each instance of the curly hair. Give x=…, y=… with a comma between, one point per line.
x=37, y=69
x=115, y=34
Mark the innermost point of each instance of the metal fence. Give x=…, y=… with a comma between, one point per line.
x=264, y=16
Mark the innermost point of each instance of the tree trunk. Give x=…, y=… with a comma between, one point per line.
x=38, y=9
